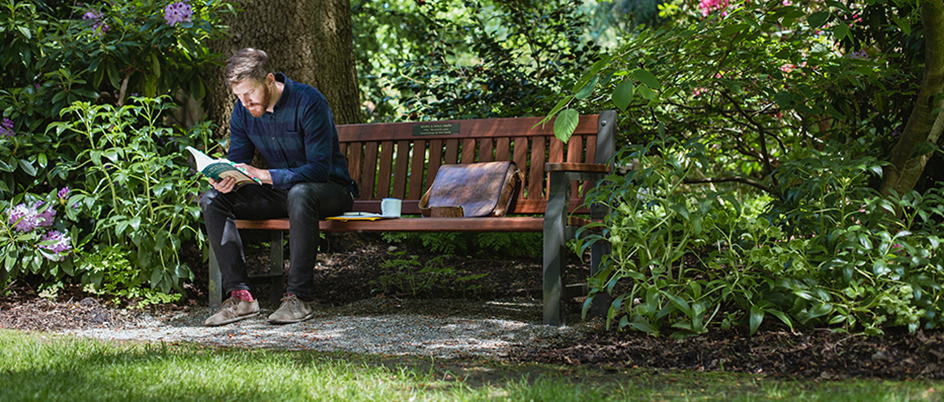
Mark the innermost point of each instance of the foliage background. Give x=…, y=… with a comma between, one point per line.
x=760, y=132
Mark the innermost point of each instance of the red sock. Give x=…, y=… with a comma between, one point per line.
x=243, y=295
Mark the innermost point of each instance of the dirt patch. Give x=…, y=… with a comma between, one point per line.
x=363, y=267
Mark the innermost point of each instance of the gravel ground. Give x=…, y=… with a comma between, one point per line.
x=438, y=328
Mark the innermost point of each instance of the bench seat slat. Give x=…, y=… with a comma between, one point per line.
x=487, y=224
x=437, y=225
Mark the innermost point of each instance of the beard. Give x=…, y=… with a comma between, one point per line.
x=259, y=109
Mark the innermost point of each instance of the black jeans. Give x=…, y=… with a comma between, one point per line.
x=304, y=205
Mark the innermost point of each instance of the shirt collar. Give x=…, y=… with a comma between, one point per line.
x=280, y=77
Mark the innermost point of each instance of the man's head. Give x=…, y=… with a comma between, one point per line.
x=248, y=77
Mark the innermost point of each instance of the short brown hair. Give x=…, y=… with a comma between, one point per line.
x=247, y=63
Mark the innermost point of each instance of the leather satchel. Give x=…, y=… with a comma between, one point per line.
x=470, y=190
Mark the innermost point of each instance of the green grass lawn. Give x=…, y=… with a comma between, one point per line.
x=47, y=367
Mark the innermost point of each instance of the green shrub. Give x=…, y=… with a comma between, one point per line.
x=132, y=189
x=72, y=119
x=830, y=252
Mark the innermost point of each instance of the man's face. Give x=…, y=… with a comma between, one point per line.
x=254, y=95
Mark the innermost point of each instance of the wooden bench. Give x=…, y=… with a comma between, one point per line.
x=400, y=160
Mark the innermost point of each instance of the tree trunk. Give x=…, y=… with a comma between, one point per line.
x=923, y=125
x=310, y=41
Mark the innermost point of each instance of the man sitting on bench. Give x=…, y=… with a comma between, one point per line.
x=292, y=127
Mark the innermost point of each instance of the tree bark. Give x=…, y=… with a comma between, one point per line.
x=923, y=125
x=310, y=41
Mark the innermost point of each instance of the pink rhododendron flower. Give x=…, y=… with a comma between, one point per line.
x=707, y=6
x=62, y=243
x=46, y=217
x=23, y=218
x=177, y=12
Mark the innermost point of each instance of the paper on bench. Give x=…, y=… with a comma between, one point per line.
x=359, y=216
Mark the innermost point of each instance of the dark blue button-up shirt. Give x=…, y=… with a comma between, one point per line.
x=298, y=140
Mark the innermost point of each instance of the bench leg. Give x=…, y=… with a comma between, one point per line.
x=601, y=301
x=216, y=281
x=555, y=221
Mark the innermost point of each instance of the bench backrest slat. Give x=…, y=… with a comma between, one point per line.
x=400, y=160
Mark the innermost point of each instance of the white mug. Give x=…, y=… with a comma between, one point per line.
x=390, y=207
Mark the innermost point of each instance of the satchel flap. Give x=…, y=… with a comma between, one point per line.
x=475, y=187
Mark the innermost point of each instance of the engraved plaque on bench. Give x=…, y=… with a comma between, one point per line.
x=436, y=129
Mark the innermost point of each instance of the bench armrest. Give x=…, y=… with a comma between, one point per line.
x=576, y=167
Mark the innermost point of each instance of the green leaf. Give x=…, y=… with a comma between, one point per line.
x=642, y=324
x=841, y=31
x=27, y=167
x=586, y=307
x=834, y=112
x=155, y=65
x=135, y=222
x=817, y=20
x=647, y=78
x=785, y=100
x=682, y=210
x=733, y=29
x=819, y=310
x=783, y=317
x=679, y=304
x=922, y=148
x=96, y=157
x=902, y=23
x=648, y=93
x=839, y=5
x=565, y=124
x=757, y=317
x=156, y=277
x=587, y=89
x=113, y=77
x=25, y=31
x=623, y=94
x=197, y=89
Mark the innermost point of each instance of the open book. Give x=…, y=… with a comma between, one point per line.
x=218, y=169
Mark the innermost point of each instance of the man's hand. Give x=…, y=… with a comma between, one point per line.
x=262, y=174
x=224, y=186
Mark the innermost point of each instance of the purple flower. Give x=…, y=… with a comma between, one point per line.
x=23, y=218
x=896, y=133
x=6, y=128
x=177, y=12
x=60, y=243
x=858, y=55
x=64, y=192
x=46, y=217
x=95, y=19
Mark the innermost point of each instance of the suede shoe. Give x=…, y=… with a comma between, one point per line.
x=232, y=310
x=292, y=310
